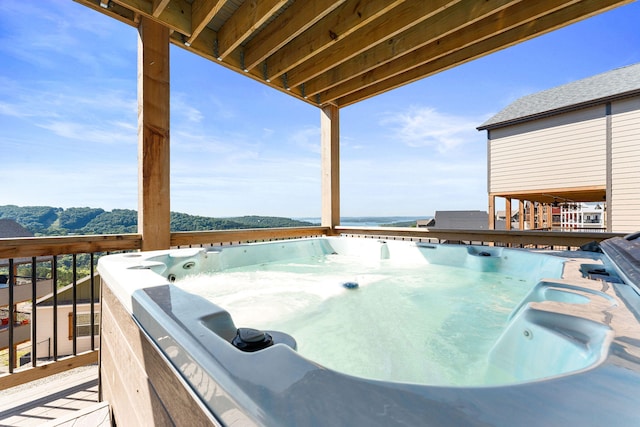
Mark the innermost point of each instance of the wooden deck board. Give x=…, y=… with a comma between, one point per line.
x=55, y=397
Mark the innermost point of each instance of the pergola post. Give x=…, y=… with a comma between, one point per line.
x=153, y=135
x=521, y=215
x=507, y=210
x=330, y=148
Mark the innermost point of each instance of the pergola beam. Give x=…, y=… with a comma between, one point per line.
x=378, y=81
x=201, y=13
x=346, y=46
x=292, y=22
x=176, y=14
x=249, y=17
x=338, y=25
x=434, y=30
x=345, y=51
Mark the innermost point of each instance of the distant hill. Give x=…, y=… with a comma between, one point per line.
x=48, y=221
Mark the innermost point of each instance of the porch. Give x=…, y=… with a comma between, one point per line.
x=72, y=379
x=163, y=22
x=54, y=400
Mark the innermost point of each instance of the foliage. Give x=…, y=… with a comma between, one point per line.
x=185, y=222
x=118, y=221
x=36, y=219
x=75, y=218
x=400, y=224
x=57, y=221
x=254, y=221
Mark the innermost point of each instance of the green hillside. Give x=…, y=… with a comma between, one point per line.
x=48, y=221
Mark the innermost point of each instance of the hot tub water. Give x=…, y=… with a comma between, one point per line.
x=416, y=323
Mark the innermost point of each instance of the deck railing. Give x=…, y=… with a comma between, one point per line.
x=42, y=259
x=48, y=251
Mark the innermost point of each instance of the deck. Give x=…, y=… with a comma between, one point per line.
x=48, y=397
x=59, y=400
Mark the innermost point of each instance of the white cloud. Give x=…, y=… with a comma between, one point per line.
x=427, y=127
x=101, y=133
x=67, y=25
x=183, y=109
x=307, y=138
x=261, y=186
x=96, y=114
x=92, y=183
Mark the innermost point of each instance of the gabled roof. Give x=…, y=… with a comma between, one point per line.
x=10, y=228
x=340, y=52
x=464, y=220
x=598, y=89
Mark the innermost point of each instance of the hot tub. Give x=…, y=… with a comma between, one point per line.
x=314, y=332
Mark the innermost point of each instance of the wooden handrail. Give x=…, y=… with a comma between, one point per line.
x=65, y=245
x=185, y=238
x=47, y=246
x=550, y=238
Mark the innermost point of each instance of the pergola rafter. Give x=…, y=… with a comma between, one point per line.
x=340, y=52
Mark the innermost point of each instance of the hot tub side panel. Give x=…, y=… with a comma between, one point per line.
x=142, y=388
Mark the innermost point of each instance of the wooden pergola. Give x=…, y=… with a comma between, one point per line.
x=328, y=53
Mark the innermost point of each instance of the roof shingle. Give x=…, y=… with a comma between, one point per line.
x=600, y=88
x=10, y=228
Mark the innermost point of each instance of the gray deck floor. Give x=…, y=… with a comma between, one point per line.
x=57, y=397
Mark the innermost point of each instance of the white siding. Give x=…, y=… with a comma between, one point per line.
x=564, y=151
x=624, y=208
x=44, y=330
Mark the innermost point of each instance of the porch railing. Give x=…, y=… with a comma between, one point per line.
x=51, y=250
x=42, y=285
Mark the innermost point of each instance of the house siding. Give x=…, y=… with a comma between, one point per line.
x=44, y=337
x=564, y=151
x=624, y=206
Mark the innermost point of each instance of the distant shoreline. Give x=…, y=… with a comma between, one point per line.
x=367, y=221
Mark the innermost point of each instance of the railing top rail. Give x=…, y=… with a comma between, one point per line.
x=535, y=237
x=183, y=238
x=47, y=246
x=63, y=245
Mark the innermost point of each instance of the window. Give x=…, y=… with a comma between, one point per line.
x=83, y=324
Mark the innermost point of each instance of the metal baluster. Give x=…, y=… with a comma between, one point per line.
x=34, y=311
x=54, y=278
x=74, y=311
x=12, y=351
x=93, y=344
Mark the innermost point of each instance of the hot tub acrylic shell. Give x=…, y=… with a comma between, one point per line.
x=276, y=386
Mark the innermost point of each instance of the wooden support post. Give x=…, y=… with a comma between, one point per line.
x=521, y=215
x=539, y=215
x=549, y=216
x=492, y=212
x=330, y=146
x=153, y=135
x=532, y=215
x=507, y=213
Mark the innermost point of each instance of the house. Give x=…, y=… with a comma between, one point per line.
x=10, y=228
x=464, y=220
x=64, y=309
x=567, y=145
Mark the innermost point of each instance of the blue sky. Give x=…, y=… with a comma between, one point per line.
x=68, y=121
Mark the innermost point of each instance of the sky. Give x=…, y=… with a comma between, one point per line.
x=68, y=121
